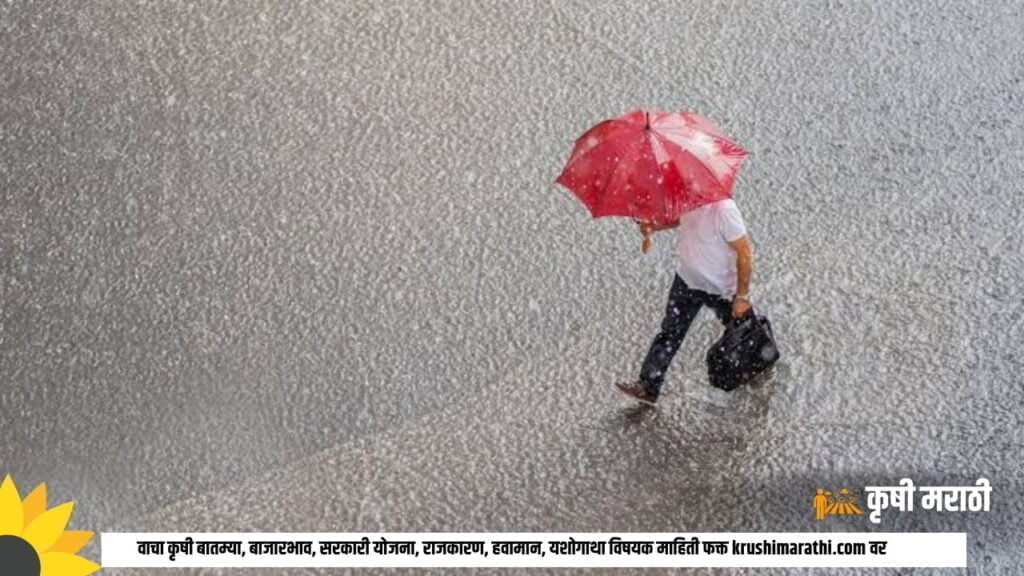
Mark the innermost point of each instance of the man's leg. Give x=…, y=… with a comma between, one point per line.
x=682, y=308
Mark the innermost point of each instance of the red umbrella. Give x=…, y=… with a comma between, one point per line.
x=651, y=165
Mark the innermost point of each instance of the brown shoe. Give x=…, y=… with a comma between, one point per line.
x=638, y=391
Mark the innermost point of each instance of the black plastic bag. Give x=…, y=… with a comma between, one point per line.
x=746, y=348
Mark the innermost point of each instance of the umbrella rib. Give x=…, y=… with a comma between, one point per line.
x=574, y=159
x=609, y=140
x=601, y=195
x=606, y=140
x=609, y=122
x=696, y=159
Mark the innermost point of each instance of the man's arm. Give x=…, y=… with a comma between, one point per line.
x=744, y=261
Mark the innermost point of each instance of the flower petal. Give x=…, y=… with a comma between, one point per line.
x=35, y=503
x=71, y=541
x=44, y=531
x=64, y=564
x=12, y=515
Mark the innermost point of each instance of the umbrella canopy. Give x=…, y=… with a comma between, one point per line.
x=651, y=165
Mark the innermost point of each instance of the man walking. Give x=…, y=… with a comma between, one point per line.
x=713, y=269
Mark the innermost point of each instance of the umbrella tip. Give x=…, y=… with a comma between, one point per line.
x=647, y=120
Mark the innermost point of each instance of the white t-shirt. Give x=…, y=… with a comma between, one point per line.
x=706, y=261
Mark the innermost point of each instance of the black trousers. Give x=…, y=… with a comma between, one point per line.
x=683, y=305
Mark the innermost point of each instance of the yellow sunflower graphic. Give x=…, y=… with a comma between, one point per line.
x=33, y=541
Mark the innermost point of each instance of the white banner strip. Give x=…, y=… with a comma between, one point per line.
x=534, y=550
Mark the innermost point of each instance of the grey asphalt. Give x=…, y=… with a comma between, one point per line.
x=302, y=265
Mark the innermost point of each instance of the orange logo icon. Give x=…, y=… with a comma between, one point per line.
x=826, y=503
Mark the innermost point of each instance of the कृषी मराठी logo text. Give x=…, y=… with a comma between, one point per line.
x=33, y=540
x=901, y=497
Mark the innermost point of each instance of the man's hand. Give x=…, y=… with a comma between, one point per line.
x=648, y=228
x=645, y=229
x=740, y=306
